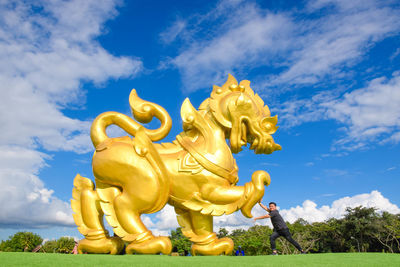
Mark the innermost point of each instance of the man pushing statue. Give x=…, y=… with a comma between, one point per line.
x=280, y=227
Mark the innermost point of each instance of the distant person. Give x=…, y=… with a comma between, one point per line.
x=280, y=227
x=239, y=251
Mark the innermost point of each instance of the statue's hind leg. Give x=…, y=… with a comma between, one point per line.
x=132, y=180
x=142, y=240
x=89, y=218
x=199, y=229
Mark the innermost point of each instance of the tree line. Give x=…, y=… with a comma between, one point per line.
x=28, y=242
x=360, y=230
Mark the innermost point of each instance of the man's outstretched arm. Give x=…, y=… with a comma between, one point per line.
x=262, y=217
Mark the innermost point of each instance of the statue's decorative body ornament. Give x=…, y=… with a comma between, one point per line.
x=196, y=173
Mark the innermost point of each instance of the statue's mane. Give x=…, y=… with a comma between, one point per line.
x=231, y=89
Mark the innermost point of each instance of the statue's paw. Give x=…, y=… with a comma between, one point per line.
x=217, y=247
x=255, y=191
x=109, y=245
x=160, y=244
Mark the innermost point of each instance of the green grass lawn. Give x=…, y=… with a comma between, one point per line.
x=329, y=259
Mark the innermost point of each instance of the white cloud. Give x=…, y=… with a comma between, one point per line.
x=297, y=111
x=367, y=115
x=331, y=43
x=395, y=54
x=370, y=112
x=163, y=222
x=300, y=49
x=244, y=36
x=25, y=200
x=170, y=34
x=166, y=218
x=311, y=213
x=47, y=51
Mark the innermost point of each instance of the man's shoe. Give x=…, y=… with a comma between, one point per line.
x=274, y=253
x=303, y=252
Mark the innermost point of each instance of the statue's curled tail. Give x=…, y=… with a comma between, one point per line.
x=142, y=110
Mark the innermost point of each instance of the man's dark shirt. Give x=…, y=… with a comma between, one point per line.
x=277, y=221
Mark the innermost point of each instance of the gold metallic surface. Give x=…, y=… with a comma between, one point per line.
x=196, y=173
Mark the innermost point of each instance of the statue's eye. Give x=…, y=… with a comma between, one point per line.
x=268, y=124
x=265, y=124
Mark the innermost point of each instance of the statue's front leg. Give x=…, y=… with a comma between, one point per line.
x=245, y=197
x=254, y=191
x=222, y=195
x=199, y=229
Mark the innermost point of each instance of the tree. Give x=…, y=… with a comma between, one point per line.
x=6, y=246
x=21, y=242
x=65, y=245
x=49, y=246
x=328, y=236
x=254, y=241
x=180, y=243
x=222, y=233
x=360, y=224
x=388, y=234
x=303, y=234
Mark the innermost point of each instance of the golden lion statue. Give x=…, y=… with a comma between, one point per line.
x=196, y=173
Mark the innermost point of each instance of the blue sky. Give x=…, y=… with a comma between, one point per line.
x=330, y=70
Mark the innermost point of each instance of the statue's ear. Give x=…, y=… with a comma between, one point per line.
x=273, y=120
x=193, y=120
x=191, y=117
x=188, y=112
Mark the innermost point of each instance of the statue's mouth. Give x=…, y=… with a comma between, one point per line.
x=248, y=135
x=261, y=143
x=257, y=145
x=253, y=142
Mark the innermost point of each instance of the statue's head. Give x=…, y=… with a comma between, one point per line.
x=244, y=117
